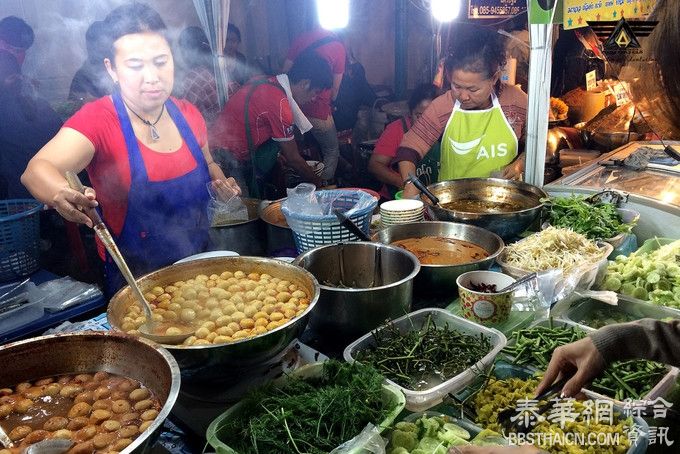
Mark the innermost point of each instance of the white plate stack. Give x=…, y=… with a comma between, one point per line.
x=403, y=211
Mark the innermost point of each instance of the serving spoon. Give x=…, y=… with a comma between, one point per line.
x=422, y=188
x=147, y=329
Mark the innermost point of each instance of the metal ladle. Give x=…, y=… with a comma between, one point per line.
x=147, y=329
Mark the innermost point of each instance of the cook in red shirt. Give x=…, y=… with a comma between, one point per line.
x=329, y=47
x=258, y=122
x=146, y=154
x=386, y=147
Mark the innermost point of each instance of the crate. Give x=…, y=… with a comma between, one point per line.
x=19, y=238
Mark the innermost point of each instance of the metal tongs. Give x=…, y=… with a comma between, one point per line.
x=105, y=236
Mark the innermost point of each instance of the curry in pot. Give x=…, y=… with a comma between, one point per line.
x=437, y=250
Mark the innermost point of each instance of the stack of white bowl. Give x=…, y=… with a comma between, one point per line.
x=403, y=211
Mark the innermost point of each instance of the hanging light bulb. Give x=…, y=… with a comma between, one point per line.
x=445, y=10
x=333, y=14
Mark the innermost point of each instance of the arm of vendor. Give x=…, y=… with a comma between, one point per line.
x=480, y=119
x=270, y=115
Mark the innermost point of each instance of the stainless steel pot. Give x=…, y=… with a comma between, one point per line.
x=61, y=354
x=380, y=281
x=245, y=237
x=440, y=280
x=204, y=361
x=507, y=225
x=279, y=235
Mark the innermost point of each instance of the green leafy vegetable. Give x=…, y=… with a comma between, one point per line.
x=595, y=221
x=311, y=416
x=422, y=358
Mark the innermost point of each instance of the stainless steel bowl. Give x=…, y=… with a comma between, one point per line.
x=244, y=237
x=380, y=278
x=507, y=225
x=441, y=279
x=204, y=361
x=61, y=354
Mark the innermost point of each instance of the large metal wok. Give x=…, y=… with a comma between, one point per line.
x=203, y=361
x=131, y=357
x=507, y=225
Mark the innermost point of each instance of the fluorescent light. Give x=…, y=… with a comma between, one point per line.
x=333, y=14
x=445, y=10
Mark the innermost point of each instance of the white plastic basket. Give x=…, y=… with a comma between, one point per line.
x=425, y=399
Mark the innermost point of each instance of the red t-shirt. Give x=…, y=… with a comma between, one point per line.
x=270, y=118
x=333, y=53
x=109, y=170
x=388, y=142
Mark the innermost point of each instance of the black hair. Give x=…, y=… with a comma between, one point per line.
x=16, y=32
x=95, y=39
x=420, y=94
x=309, y=65
x=482, y=51
x=131, y=18
x=195, y=47
x=231, y=28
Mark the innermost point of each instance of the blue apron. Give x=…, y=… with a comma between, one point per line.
x=165, y=220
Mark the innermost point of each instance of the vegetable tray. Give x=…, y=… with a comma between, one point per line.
x=661, y=389
x=391, y=395
x=585, y=312
x=505, y=371
x=425, y=399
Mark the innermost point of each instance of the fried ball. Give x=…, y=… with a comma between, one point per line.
x=139, y=394
x=102, y=393
x=145, y=425
x=21, y=387
x=80, y=409
x=55, y=423
x=102, y=440
x=70, y=390
x=121, y=444
x=101, y=415
x=144, y=404
x=86, y=447
x=86, y=396
x=23, y=405
x=128, y=431
x=82, y=378
x=149, y=415
x=86, y=433
x=111, y=425
x=77, y=423
x=36, y=436
x=128, y=418
x=63, y=433
x=19, y=432
x=5, y=410
x=102, y=405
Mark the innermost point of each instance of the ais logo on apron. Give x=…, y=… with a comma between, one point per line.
x=476, y=143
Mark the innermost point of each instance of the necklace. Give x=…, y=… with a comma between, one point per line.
x=154, y=132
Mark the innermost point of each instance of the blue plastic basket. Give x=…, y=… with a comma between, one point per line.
x=326, y=229
x=19, y=238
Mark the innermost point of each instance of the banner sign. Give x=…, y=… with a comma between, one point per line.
x=495, y=9
x=577, y=13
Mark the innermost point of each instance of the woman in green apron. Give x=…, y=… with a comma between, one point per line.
x=380, y=164
x=480, y=120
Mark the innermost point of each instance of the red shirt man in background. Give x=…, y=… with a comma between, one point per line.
x=319, y=111
x=258, y=122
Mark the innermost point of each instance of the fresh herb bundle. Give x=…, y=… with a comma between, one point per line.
x=422, y=358
x=310, y=415
x=595, y=221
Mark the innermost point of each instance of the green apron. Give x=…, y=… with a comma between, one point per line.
x=476, y=143
x=263, y=158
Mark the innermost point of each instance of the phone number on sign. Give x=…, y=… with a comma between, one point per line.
x=496, y=10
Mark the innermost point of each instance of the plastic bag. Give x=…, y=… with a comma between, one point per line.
x=60, y=294
x=302, y=199
x=368, y=441
x=225, y=207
